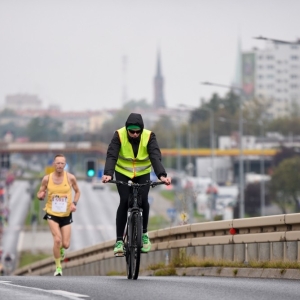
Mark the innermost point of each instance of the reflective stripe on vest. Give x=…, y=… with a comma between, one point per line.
x=129, y=165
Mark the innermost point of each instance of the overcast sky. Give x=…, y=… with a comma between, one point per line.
x=69, y=52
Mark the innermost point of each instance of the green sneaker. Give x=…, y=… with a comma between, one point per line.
x=119, y=248
x=58, y=272
x=146, y=243
x=62, y=253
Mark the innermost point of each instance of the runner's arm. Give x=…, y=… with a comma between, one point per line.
x=75, y=188
x=43, y=188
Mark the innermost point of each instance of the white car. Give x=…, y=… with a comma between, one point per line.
x=97, y=183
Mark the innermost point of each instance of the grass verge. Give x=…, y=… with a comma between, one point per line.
x=157, y=222
x=27, y=258
x=169, y=195
x=185, y=261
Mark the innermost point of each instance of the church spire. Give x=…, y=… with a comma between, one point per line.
x=159, y=100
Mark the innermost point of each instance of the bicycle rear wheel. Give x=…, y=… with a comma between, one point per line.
x=136, y=244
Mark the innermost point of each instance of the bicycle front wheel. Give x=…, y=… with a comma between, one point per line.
x=135, y=247
x=127, y=255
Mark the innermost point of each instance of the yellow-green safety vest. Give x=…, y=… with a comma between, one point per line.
x=129, y=165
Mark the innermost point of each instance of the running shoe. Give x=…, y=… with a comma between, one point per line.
x=146, y=243
x=62, y=253
x=119, y=247
x=58, y=272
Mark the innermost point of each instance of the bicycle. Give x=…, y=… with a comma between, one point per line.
x=132, y=238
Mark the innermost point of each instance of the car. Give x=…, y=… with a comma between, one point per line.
x=97, y=183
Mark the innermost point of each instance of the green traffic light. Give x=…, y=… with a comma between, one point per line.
x=90, y=173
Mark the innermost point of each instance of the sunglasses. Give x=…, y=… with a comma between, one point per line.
x=134, y=131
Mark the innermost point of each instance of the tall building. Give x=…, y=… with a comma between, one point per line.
x=273, y=74
x=159, y=99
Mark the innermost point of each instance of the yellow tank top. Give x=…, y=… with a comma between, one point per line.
x=59, y=197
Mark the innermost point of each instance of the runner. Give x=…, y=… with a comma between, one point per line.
x=59, y=207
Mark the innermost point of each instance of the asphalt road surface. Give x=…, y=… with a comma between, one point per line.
x=146, y=288
x=19, y=202
x=95, y=218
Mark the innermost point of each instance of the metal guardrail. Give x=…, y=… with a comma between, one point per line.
x=269, y=229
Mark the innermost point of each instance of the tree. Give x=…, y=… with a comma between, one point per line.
x=284, y=186
x=133, y=104
x=109, y=127
x=164, y=131
x=286, y=126
x=44, y=129
x=11, y=127
x=7, y=113
x=231, y=102
x=285, y=153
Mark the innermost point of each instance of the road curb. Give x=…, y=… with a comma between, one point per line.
x=232, y=272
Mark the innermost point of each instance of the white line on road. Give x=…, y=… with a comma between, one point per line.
x=69, y=295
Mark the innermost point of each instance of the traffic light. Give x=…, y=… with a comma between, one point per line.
x=5, y=161
x=90, y=168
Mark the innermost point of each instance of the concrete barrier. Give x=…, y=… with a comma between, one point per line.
x=261, y=238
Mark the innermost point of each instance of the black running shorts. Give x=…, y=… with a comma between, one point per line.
x=62, y=221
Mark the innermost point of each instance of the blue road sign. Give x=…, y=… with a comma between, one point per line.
x=100, y=173
x=171, y=213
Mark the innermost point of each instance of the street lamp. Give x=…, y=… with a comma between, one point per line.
x=241, y=157
x=262, y=171
x=277, y=41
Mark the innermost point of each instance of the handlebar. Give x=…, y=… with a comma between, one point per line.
x=130, y=183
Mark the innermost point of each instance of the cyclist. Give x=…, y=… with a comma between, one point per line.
x=130, y=155
x=59, y=207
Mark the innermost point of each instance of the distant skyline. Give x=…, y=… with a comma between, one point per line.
x=71, y=52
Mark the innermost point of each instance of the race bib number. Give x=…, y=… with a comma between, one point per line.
x=59, y=203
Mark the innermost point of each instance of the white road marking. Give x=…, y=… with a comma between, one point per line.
x=69, y=295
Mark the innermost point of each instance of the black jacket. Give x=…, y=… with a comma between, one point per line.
x=152, y=147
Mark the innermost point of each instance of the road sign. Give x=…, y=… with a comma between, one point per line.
x=171, y=213
x=100, y=173
x=49, y=169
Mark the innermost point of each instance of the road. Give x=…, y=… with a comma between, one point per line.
x=94, y=220
x=19, y=202
x=149, y=288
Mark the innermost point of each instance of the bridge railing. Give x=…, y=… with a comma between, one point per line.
x=261, y=238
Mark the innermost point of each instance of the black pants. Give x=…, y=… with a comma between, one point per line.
x=124, y=192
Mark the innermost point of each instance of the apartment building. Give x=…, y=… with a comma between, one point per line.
x=273, y=75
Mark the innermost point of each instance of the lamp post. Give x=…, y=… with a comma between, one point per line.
x=241, y=156
x=277, y=41
x=262, y=171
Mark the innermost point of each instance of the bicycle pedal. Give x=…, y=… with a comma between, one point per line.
x=119, y=254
